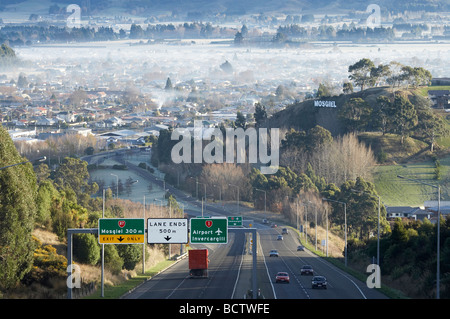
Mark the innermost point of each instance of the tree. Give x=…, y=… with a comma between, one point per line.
x=86, y=248
x=355, y=114
x=431, y=126
x=381, y=72
x=405, y=116
x=324, y=90
x=360, y=72
x=416, y=76
x=169, y=85
x=240, y=120
x=238, y=38
x=382, y=114
x=17, y=214
x=131, y=255
x=347, y=87
x=74, y=173
x=227, y=67
x=362, y=208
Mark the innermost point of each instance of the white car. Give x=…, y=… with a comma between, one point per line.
x=273, y=253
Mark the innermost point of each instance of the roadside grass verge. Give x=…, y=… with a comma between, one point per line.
x=116, y=291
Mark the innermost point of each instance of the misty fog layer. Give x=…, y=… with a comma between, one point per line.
x=118, y=64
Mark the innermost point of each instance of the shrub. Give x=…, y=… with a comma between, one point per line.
x=113, y=261
x=86, y=249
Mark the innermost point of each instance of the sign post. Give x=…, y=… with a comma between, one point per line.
x=121, y=231
x=167, y=231
x=209, y=230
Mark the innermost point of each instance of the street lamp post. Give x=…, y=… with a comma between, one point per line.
x=438, y=230
x=345, y=225
x=306, y=220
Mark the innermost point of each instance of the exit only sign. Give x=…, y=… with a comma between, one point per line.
x=121, y=231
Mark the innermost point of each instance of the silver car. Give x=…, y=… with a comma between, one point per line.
x=273, y=253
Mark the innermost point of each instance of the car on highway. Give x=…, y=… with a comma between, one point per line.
x=273, y=253
x=307, y=270
x=282, y=277
x=265, y=221
x=300, y=248
x=284, y=231
x=319, y=282
x=279, y=237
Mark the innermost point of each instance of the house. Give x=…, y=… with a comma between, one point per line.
x=114, y=122
x=45, y=121
x=66, y=116
x=440, y=98
x=407, y=212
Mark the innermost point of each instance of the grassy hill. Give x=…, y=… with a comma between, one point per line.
x=412, y=159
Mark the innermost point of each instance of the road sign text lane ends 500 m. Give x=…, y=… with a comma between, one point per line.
x=167, y=231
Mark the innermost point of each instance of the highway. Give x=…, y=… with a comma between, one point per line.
x=340, y=284
x=231, y=264
x=174, y=283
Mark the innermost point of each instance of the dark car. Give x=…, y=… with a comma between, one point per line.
x=300, y=248
x=306, y=270
x=319, y=282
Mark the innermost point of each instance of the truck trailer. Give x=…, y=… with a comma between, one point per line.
x=198, y=263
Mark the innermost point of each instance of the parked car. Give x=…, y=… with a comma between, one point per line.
x=319, y=282
x=273, y=253
x=282, y=277
x=265, y=221
x=307, y=270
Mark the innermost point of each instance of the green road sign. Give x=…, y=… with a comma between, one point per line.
x=234, y=220
x=209, y=230
x=121, y=231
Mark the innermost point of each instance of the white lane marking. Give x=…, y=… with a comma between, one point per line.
x=267, y=270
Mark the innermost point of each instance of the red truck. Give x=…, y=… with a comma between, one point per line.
x=198, y=263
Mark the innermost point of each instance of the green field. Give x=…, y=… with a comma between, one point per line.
x=400, y=192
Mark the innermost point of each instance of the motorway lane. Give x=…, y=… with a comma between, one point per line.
x=340, y=284
x=174, y=283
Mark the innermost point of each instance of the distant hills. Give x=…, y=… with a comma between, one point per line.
x=237, y=7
